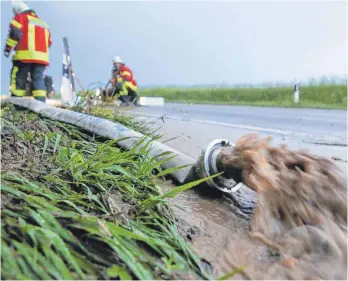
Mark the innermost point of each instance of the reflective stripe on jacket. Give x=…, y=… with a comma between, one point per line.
x=31, y=38
x=125, y=74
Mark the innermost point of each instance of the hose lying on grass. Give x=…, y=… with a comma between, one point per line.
x=301, y=212
x=77, y=207
x=111, y=130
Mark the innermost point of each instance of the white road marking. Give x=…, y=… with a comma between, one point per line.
x=246, y=127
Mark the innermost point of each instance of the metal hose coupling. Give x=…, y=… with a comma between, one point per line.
x=207, y=165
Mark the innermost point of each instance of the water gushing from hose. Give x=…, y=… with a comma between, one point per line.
x=301, y=210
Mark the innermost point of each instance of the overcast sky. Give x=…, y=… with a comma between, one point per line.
x=194, y=42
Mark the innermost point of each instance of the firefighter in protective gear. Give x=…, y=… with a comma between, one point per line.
x=123, y=81
x=30, y=37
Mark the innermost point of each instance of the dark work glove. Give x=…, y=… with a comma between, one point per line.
x=7, y=53
x=119, y=86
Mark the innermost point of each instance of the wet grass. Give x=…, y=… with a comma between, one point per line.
x=77, y=207
x=315, y=96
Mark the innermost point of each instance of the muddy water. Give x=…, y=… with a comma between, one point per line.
x=216, y=233
x=312, y=246
x=299, y=226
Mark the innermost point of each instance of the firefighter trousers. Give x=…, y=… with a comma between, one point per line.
x=19, y=75
x=131, y=97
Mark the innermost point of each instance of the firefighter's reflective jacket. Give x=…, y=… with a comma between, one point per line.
x=125, y=75
x=31, y=38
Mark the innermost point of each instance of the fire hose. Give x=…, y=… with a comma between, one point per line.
x=242, y=197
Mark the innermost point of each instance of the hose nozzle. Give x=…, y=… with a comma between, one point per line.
x=208, y=165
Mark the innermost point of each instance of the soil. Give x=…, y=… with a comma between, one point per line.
x=26, y=156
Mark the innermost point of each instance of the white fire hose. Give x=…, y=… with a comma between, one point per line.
x=242, y=196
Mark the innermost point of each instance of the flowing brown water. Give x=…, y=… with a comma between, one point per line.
x=299, y=226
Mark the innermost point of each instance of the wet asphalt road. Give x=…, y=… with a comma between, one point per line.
x=319, y=125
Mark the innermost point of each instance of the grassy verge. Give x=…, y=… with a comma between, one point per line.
x=321, y=96
x=76, y=207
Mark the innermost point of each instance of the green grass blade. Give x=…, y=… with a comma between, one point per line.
x=231, y=274
x=56, y=142
x=45, y=144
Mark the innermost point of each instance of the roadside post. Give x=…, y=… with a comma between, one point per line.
x=297, y=92
x=68, y=95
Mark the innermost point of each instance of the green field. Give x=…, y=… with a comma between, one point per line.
x=319, y=96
